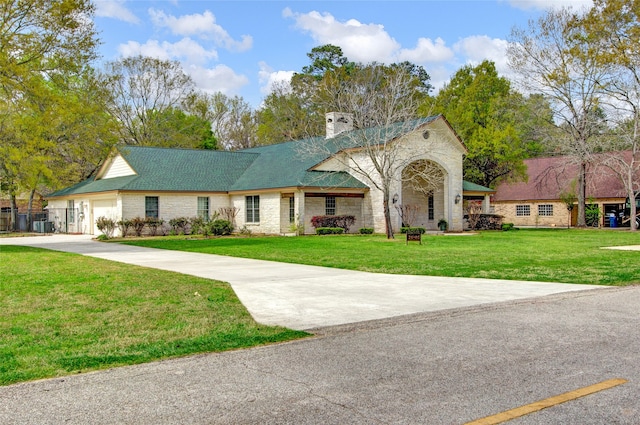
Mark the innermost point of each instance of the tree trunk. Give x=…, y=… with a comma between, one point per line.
x=14, y=212
x=632, y=210
x=30, y=210
x=582, y=194
x=387, y=215
x=632, y=199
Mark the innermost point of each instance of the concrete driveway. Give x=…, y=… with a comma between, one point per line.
x=308, y=297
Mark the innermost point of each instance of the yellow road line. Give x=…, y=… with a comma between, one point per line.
x=548, y=402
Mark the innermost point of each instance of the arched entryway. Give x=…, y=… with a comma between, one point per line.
x=423, y=195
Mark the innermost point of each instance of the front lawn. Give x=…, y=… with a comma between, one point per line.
x=64, y=313
x=552, y=255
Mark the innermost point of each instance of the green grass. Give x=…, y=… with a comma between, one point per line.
x=63, y=313
x=554, y=255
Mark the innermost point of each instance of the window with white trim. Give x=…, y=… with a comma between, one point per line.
x=545, y=210
x=203, y=207
x=151, y=207
x=292, y=209
x=523, y=210
x=330, y=205
x=252, y=207
x=71, y=211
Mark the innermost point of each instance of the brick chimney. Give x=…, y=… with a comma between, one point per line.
x=338, y=122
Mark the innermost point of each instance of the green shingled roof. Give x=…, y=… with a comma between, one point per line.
x=161, y=169
x=472, y=187
x=266, y=167
x=288, y=164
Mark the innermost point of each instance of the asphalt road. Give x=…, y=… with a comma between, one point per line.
x=447, y=367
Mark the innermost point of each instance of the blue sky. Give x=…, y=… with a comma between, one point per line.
x=242, y=47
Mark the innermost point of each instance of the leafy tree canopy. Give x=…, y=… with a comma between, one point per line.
x=486, y=113
x=296, y=110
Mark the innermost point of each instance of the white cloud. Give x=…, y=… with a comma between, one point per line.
x=115, y=9
x=186, y=49
x=550, y=4
x=269, y=78
x=480, y=47
x=477, y=48
x=440, y=75
x=427, y=51
x=203, y=25
x=359, y=42
x=219, y=79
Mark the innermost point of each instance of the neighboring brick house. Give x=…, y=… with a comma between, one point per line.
x=272, y=186
x=538, y=201
x=22, y=204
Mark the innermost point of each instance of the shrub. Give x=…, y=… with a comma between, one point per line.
x=153, y=224
x=125, y=225
x=342, y=221
x=179, y=225
x=507, y=226
x=592, y=214
x=138, y=224
x=197, y=225
x=366, y=230
x=413, y=230
x=487, y=222
x=245, y=231
x=106, y=226
x=220, y=227
x=442, y=224
x=329, y=230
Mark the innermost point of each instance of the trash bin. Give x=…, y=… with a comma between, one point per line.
x=612, y=220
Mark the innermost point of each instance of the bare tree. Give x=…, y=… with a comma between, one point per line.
x=229, y=214
x=554, y=57
x=474, y=212
x=613, y=26
x=408, y=213
x=232, y=120
x=423, y=176
x=142, y=86
x=382, y=102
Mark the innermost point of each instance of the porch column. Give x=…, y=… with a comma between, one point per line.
x=299, y=202
x=486, y=204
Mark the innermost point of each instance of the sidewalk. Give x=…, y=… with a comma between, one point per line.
x=306, y=297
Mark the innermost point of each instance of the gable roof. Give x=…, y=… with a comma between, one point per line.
x=550, y=177
x=164, y=169
x=289, y=165
x=283, y=165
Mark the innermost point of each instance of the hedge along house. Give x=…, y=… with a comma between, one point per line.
x=278, y=187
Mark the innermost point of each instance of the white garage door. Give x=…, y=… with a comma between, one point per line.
x=103, y=208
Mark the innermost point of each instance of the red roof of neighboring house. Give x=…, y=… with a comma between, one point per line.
x=549, y=177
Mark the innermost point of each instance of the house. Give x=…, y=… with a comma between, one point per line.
x=539, y=200
x=275, y=187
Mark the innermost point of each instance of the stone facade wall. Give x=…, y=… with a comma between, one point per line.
x=537, y=215
x=270, y=205
x=315, y=206
x=285, y=224
x=441, y=147
x=170, y=205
